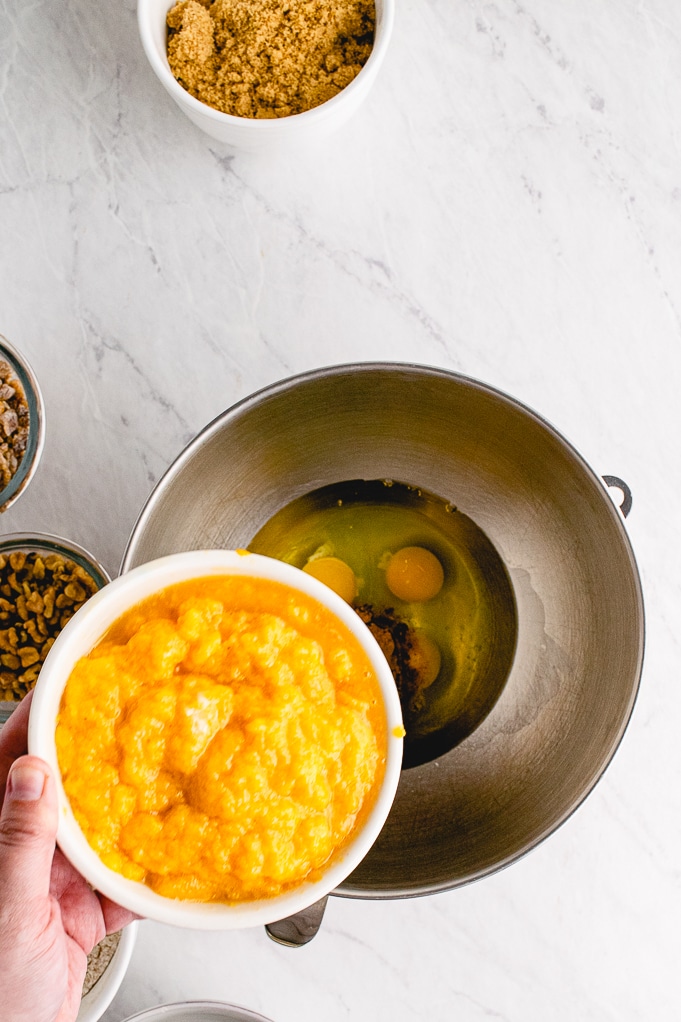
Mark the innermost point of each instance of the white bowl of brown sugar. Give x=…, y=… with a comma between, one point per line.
x=265, y=75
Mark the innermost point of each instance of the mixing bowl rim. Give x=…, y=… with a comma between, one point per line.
x=271, y=390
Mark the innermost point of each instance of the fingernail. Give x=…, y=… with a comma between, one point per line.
x=25, y=783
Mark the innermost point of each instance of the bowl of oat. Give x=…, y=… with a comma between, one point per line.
x=44, y=580
x=107, y=964
x=265, y=75
x=22, y=424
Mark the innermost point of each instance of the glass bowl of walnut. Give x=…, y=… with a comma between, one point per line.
x=22, y=423
x=44, y=580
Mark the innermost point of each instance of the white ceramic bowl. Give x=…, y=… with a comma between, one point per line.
x=193, y=1011
x=97, y=1000
x=262, y=135
x=82, y=633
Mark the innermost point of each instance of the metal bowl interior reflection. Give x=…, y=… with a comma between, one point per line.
x=470, y=623
x=572, y=685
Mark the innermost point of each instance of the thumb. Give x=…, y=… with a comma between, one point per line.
x=28, y=828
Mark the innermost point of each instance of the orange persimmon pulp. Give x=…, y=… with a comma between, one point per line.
x=223, y=741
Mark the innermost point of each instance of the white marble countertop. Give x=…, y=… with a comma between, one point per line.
x=507, y=204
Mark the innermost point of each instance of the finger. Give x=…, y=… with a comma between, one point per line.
x=13, y=739
x=81, y=912
x=84, y=911
x=115, y=916
x=28, y=828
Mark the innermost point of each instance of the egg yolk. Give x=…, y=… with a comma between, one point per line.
x=335, y=574
x=414, y=574
x=425, y=659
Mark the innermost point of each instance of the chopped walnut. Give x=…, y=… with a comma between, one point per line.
x=14, y=423
x=38, y=595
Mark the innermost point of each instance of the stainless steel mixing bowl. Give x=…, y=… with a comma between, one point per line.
x=579, y=652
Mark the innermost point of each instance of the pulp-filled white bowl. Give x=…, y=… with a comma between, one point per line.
x=83, y=632
x=256, y=134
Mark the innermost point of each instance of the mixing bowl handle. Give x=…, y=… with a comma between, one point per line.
x=625, y=506
x=298, y=930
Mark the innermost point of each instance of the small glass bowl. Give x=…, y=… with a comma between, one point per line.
x=198, y=1011
x=36, y=424
x=42, y=543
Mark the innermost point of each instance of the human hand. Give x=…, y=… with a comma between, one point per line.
x=50, y=918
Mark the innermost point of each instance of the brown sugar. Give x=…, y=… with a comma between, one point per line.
x=268, y=58
x=99, y=959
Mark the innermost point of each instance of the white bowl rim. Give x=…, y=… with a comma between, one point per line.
x=266, y=124
x=79, y=636
x=225, y=1011
x=99, y=997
